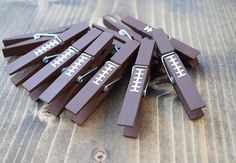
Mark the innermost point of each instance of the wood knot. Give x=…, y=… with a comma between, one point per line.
x=100, y=156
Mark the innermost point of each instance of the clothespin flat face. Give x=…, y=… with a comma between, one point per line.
x=178, y=75
x=51, y=46
x=86, y=63
x=137, y=84
x=55, y=67
x=95, y=90
x=184, y=51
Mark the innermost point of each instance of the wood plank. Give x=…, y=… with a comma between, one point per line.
x=29, y=134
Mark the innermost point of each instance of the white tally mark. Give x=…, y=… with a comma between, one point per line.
x=179, y=70
x=148, y=29
x=137, y=79
x=59, y=60
x=76, y=64
x=109, y=66
x=46, y=46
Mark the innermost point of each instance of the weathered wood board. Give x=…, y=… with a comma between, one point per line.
x=28, y=134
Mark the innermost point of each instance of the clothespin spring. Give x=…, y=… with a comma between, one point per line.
x=106, y=87
x=80, y=78
x=37, y=36
x=47, y=58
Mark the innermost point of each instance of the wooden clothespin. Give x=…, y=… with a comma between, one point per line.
x=186, y=53
x=59, y=100
x=189, y=95
x=137, y=87
x=19, y=45
x=182, y=82
x=56, y=66
x=96, y=89
x=77, y=73
x=56, y=43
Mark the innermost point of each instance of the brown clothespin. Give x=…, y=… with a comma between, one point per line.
x=182, y=82
x=96, y=89
x=19, y=45
x=54, y=68
x=185, y=52
x=58, y=102
x=77, y=73
x=137, y=87
x=82, y=43
x=109, y=22
x=55, y=44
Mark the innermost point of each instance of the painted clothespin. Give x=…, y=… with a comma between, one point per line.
x=50, y=47
x=186, y=53
x=137, y=87
x=81, y=44
x=54, y=68
x=109, y=22
x=77, y=73
x=96, y=89
x=179, y=77
x=58, y=102
x=19, y=45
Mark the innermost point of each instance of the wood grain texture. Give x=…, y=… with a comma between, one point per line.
x=29, y=134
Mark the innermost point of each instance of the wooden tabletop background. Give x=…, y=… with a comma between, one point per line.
x=29, y=134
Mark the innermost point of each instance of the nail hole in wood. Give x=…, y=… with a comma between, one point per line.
x=100, y=156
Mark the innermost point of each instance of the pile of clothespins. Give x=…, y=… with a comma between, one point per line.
x=74, y=67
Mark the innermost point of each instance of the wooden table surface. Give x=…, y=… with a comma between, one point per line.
x=29, y=134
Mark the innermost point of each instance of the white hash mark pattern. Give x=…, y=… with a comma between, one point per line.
x=103, y=73
x=138, y=79
x=76, y=64
x=148, y=29
x=45, y=47
x=58, y=61
x=180, y=72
